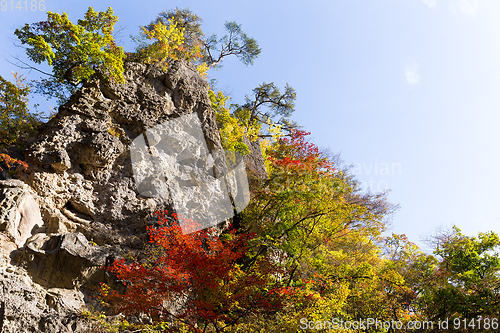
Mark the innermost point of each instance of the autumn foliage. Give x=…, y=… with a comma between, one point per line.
x=16, y=120
x=200, y=272
x=295, y=153
x=310, y=244
x=11, y=166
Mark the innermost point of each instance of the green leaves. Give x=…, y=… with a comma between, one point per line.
x=244, y=47
x=15, y=118
x=467, y=279
x=75, y=51
x=230, y=129
x=236, y=42
x=280, y=107
x=300, y=209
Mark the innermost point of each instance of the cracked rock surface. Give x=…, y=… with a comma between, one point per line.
x=79, y=205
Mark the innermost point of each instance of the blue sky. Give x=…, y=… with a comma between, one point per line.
x=406, y=90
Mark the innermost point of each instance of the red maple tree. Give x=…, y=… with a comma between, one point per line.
x=196, y=280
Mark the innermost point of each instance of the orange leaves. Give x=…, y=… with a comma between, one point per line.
x=297, y=154
x=12, y=165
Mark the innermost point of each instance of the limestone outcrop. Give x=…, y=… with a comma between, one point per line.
x=83, y=199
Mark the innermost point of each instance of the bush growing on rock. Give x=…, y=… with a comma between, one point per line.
x=16, y=120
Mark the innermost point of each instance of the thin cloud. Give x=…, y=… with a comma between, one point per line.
x=469, y=7
x=411, y=74
x=430, y=3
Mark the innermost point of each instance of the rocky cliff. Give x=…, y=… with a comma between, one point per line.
x=91, y=189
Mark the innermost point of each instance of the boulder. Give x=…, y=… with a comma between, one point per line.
x=26, y=306
x=63, y=261
x=19, y=212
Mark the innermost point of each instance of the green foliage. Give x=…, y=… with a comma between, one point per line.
x=236, y=42
x=415, y=267
x=306, y=201
x=75, y=51
x=466, y=282
x=230, y=130
x=280, y=108
x=307, y=302
x=16, y=121
x=100, y=323
x=327, y=231
x=212, y=50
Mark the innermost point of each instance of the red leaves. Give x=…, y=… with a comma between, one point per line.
x=12, y=164
x=295, y=153
x=284, y=162
x=199, y=269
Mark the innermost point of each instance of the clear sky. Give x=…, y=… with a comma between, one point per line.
x=408, y=91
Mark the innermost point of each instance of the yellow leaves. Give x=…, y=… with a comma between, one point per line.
x=233, y=126
x=114, y=132
x=202, y=69
x=169, y=35
x=161, y=41
x=15, y=119
x=307, y=304
x=77, y=49
x=104, y=288
x=44, y=48
x=275, y=130
x=168, y=41
x=21, y=86
x=218, y=100
x=230, y=129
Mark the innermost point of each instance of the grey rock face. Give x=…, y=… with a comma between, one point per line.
x=62, y=261
x=181, y=167
x=19, y=212
x=79, y=203
x=82, y=160
x=254, y=161
x=26, y=306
